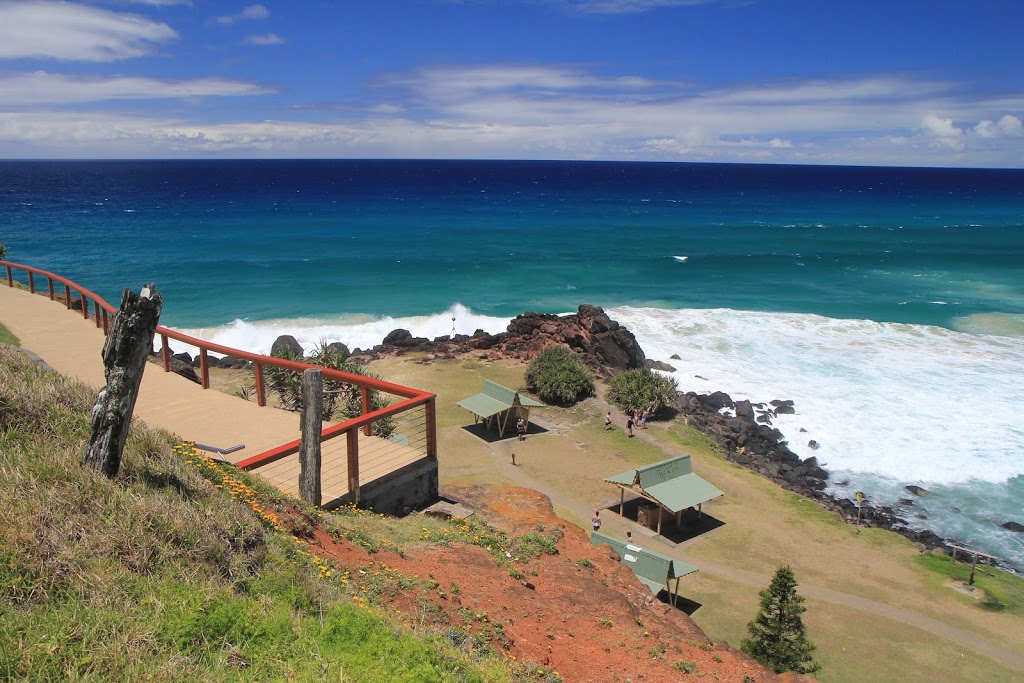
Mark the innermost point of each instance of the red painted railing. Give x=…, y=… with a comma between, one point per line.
x=103, y=314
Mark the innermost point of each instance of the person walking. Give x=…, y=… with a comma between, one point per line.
x=608, y=421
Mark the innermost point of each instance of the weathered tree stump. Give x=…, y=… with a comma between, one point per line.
x=128, y=344
x=309, y=443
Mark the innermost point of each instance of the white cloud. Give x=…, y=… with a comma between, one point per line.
x=49, y=89
x=265, y=39
x=64, y=31
x=1008, y=126
x=252, y=12
x=538, y=111
x=161, y=3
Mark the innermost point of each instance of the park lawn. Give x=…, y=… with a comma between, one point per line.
x=765, y=527
x=7, y=337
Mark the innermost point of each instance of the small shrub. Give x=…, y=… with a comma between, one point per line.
x=584, y=562
x=558, y=376
x=686, y=666
x=642, y=390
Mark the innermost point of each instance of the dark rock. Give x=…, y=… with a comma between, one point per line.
x=916, y=490
x=813, y=445
x=906, y=501
x=233, y=363
x=183, y=356
x=286, y=344
x=744, y=410
x=1013, y=526
x=659, y=365
x=783, y=407
x=764, y=418
x=339, y=348
x=674, y=356
x=180, y=367
x=396, y=337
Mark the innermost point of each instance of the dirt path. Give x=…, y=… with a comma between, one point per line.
x=614, y=524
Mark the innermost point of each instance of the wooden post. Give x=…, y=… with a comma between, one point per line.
x=312, y=393
x=974, y=563
x=352, y=437
x=31, y=282
x=261, y=387
x=659, y=519
x=204, y=368
x=165, y=353
x=431, y=418
x=10, y=276
x=67, y=296
x=365, y=394
x=124, y=360
x=49, y=283
x=85, y=306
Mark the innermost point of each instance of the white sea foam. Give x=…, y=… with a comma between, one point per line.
x=681, y=259
x=890, y=405
x=356, y=331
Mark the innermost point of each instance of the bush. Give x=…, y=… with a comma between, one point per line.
x=557, y=375
x=642, y=390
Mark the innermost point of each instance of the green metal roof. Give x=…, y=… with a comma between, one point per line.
x=670, y=482
x=494, y=399
x=653, y=569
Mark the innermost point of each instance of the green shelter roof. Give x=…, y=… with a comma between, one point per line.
x=496, y=398
x=653, y=569
x=671, y=483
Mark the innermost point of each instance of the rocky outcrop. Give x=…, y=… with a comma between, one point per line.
x=286, y=344
x=603, y=344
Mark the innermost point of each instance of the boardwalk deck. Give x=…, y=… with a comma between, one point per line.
x=72, y=346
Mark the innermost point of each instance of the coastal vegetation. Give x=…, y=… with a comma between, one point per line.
x=642, y=389
x=341, y=400
x=558, y=376
x=778, y=638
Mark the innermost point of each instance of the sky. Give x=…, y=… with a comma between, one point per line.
x=861, y=82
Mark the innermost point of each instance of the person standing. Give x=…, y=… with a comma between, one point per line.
x=521, y=429
x=629, y=426
x=596, y=519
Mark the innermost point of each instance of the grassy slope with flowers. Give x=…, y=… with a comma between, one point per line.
x=182, y=569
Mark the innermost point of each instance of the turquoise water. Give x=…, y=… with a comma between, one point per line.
x=889, y=303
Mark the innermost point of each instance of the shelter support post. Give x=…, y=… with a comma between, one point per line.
x=659, y=519
x=700, y=513
x=622, y=501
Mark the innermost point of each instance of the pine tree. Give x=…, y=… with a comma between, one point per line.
x=778, y=638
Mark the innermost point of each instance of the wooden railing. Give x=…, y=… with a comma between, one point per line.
x=103, y=314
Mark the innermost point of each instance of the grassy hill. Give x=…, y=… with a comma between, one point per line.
x=165, y=575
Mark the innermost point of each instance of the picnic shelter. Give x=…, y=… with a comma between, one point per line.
x=498, y=406
x=670, y=484
x=656, y=571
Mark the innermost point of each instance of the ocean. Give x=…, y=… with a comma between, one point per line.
x=888, y=303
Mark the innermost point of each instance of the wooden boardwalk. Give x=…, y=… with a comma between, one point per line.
x=72, y=346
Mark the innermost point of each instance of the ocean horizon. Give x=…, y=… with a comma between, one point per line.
x=888, y=303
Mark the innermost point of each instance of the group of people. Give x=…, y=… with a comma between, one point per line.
x=637, y=419
x=596, y=521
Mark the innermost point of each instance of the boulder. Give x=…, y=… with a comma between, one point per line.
x=286, y=344
x=1013, y=526
x=813, y=445
x=674, y=356
x=916, y=490
x=397, y=337
x=659, y=365
x=183, y=356
x=783, y=407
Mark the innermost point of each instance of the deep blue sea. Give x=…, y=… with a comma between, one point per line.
x=888, y=303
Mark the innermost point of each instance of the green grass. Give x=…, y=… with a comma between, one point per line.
x=1003, y=591
x=7, y=337
x=176, y=570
